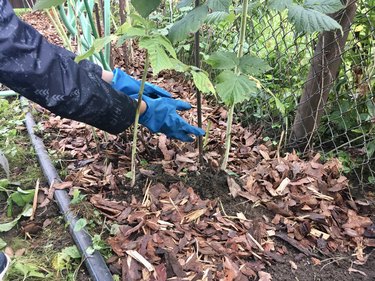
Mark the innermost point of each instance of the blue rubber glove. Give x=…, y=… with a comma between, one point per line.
x=128, y=85
x=161, y=117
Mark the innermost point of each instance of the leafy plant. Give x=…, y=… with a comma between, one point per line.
x=77, y=197
x=18, y=197
x=27, y=211
x=311, y=16
x=29, y=270
x=66, y=260
x=236, y=82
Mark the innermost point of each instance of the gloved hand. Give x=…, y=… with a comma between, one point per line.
x=161, y=116
x=128, y=85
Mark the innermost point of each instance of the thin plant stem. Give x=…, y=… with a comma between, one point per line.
x=224, y=164
x=95, y=33
x=61, y=28
x=199, y=94
x=96, y=138
x=135, y=133
x=59, y=31
x=228, y=136
x=107, y=30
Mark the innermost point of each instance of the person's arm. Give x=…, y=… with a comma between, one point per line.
x=48, y=75
x=108, y=77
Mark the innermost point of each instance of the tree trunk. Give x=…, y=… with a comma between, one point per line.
x=323, y=72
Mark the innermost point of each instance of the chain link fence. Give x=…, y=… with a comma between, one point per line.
x=322, y=86
x=326, y=84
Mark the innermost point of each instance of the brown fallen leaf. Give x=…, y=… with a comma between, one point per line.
x=168, y=154
x=231, y=269
x=234, y=187
x=63, y=185
x=356, y=221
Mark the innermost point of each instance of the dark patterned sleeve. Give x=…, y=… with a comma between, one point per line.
x=48, y=75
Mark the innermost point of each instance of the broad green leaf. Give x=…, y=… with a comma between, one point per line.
x=90, y=250
x=156, y=47
x=219, y=5
x=22, y=197
x=80, y=224
x=280, y=5
x=97, y=46
x=4, y=183
x=216, y=17
x=28, y=270
x=159, y=60
x=71, y=252
x=280, y=106
x=308, y=20
x=179, y=66
x=4, y=227
x=370, y=149
x=370, y=108
x=324, y=6
x=145, y=7
x=189, y=24
x=2, y=244
x=27, y=211
x=45, y=4
x=138, y=21
x=184, y=3
x=253, y=65
x=202, y=82
x=233, y=88
x=164, y=41
x=130, y=31
x=223, y=60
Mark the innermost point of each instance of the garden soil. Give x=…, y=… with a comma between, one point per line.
x=275, y=217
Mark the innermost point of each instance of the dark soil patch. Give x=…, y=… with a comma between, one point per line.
x=212, y=184
x=332, y=269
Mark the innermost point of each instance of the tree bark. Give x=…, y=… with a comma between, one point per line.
x=323, y=72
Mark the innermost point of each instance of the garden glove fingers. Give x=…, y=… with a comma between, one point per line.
x=181, y=105
x=161, y=117
x=128, y=85
x=185, y=130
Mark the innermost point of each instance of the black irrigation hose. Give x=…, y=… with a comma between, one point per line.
x=95, y=263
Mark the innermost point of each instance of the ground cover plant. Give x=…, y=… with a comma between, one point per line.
x=273, y=216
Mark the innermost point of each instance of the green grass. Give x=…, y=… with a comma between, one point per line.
x=21, y=11
x=15, y=144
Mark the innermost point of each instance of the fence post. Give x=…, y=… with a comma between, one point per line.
x=323, y=72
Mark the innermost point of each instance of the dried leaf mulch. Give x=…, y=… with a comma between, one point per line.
x=167, y=231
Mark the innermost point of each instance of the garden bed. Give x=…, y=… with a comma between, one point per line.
x=276, y=215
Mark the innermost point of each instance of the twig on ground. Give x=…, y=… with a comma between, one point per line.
x=35, y=201
x=296, y=245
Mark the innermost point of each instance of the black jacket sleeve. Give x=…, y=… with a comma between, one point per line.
x=48, y=75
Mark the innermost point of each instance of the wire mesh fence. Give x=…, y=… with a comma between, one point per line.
x=325, y=84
